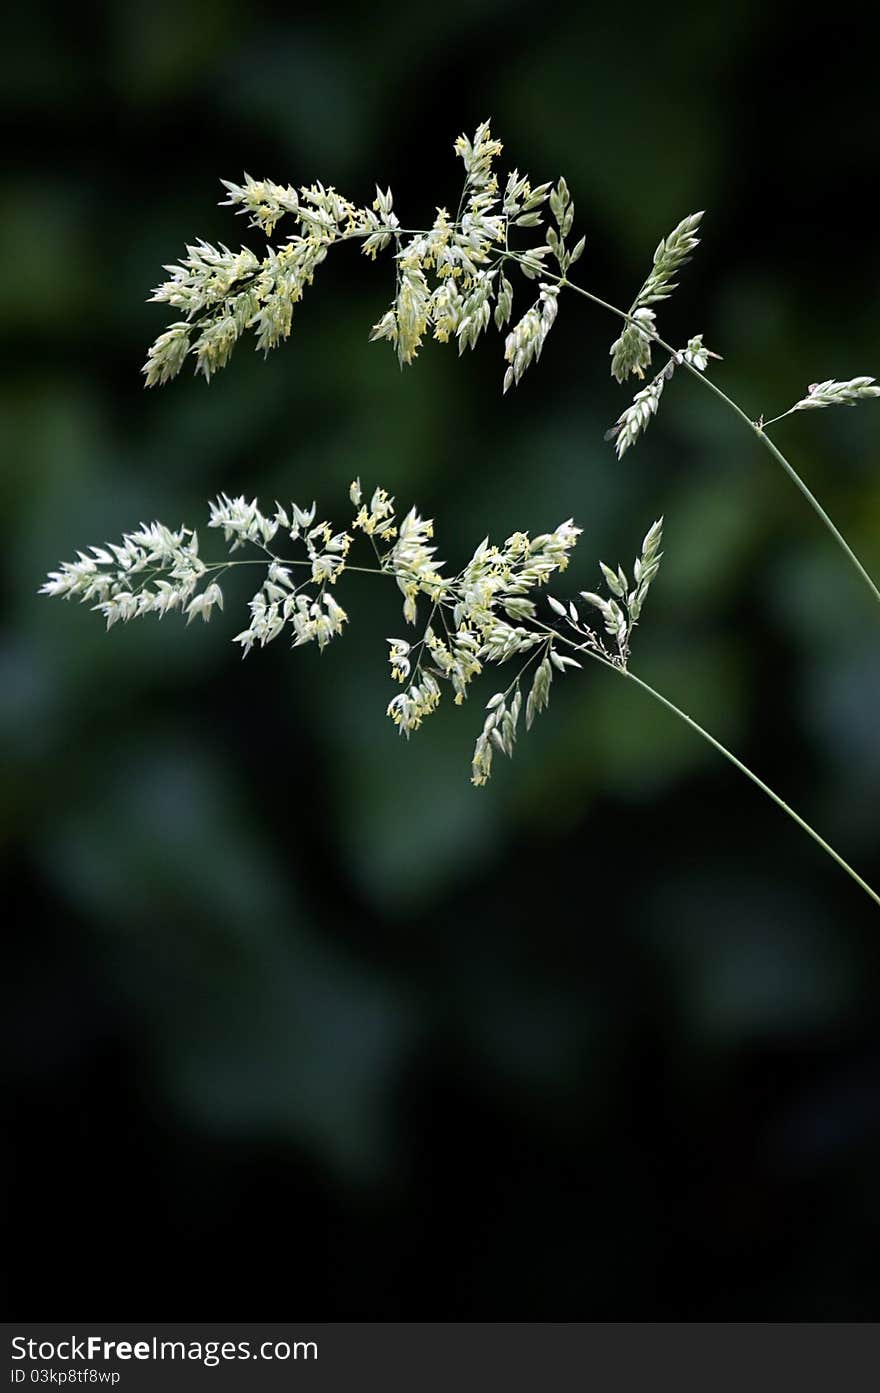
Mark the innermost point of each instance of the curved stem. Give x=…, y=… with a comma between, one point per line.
x=794, y=476
x=765, y=788
x=753, y=426
x=722, y=750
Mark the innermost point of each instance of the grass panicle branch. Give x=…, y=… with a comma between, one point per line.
x=485, y=616
x=452, y=282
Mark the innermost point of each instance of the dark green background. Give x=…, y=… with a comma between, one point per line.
x=299, y=1023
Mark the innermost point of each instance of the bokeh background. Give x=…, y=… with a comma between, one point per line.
x=297, y=1023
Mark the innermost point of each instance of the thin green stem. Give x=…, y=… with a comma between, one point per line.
x=756, y=429
x=793, y=475
x=288, y=561
x=759, y=783
x=540, y=651
x=773, y=420
x=722, y=750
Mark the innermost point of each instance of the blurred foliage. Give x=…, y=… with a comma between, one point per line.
x=602, y=1039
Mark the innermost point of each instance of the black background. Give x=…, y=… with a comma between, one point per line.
x=295, y=1020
